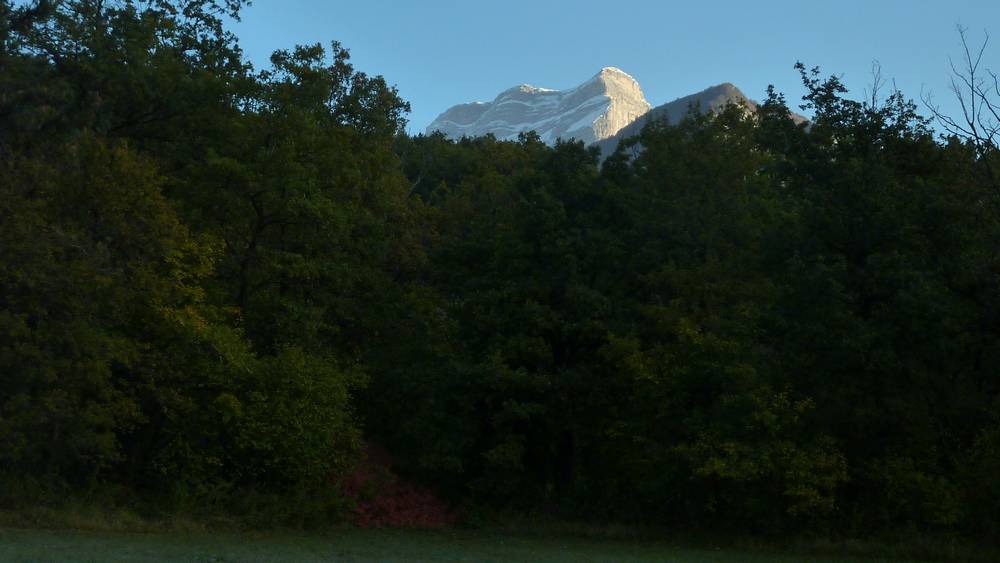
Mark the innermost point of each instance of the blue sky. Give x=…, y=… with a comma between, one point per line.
x=443, y=52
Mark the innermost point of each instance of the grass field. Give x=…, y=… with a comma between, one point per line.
x=354, y=545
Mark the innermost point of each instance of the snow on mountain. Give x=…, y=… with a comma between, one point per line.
x=594, y=110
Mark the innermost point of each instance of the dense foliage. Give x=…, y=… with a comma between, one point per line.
x=218, y=282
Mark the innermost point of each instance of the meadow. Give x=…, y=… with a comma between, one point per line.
x=365, y=545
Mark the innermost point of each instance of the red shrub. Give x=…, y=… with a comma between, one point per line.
x=382, y=499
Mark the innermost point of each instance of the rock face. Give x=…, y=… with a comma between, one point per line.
x=595, y=110
x=709, y=100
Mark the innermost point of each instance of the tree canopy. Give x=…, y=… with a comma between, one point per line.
x=218, y=282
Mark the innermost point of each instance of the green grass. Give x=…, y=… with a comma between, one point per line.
x=85, y=532
x=356, y=545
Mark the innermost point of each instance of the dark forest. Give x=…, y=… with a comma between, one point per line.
x=220, y=286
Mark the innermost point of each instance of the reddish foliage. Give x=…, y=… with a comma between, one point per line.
x=382, y=499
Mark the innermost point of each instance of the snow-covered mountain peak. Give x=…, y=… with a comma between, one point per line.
x=608, y=107
x=616, y=72
x=529, y=89
x=594, y=110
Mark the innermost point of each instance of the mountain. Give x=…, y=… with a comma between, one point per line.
x=600, y=112
x=708, y=100
x=595, y=110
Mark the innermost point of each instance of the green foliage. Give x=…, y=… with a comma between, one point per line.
x=127, y=356
x=737, y=321
x=216, y=282
x=84, y=297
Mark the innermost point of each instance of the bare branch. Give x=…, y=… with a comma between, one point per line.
x=978, y=98
x=980, y=112
x=877, y=83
